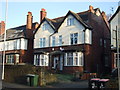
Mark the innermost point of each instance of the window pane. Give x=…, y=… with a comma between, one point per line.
x=60, y=40
x=40, y=42
x=44, y=42
x=75, y=38
x=75, y=58
x=42, y=59
x=69, y=58
x=71, y=38
x=70, y=21
x=53, y=41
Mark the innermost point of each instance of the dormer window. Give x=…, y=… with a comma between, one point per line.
x=45, y=27
x=70, y=21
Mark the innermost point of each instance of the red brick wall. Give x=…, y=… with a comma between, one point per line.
x=2, y=27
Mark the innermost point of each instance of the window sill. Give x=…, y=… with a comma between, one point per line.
x=73, y=65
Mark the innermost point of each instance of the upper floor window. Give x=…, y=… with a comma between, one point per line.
x=60, y=40
x=45, y=27
x=15, y=44
x=53, y=41
x=104, y=43
x=70, y=21
x=74, y=38
x=42, y=42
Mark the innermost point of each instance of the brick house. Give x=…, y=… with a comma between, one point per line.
x=19, y=42
x=74, y=42
x=114, y=26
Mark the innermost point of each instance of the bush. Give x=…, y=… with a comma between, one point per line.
x=17, y=74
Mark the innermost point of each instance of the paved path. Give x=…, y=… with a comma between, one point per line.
x=78, y=84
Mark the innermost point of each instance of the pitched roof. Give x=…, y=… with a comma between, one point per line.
x=55, y=23
x=16, y=32
x=118, y=9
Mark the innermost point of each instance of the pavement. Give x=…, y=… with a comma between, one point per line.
x=75, y=84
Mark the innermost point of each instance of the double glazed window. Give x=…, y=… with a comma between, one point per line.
x=45, y=27
x=10, y=59
x=70, y=21
x=74, y=38
x=53, y=41
x=60, y=40
x=74, y=59
x=42, y=42
x=41, y=60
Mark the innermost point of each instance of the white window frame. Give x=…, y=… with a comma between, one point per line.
x=70, y=21
x=60, y=40
x=42, y=42
x=72, y=36
x=37, y=59
x=77, y=55
x=53, y=40
x=45, y=27
x=10, y=59
x=40, y=60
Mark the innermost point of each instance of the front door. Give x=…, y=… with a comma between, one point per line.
x=56, y=62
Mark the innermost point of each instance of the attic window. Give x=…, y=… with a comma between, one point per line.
x=70, y=21
x=44, y=27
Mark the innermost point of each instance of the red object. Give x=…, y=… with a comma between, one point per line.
x=96, y=79
x=104, y=80
x=43, y=9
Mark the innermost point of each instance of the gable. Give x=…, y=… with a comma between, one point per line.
x=76, y=23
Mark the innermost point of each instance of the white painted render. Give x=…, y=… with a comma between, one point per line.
x=14, y=44
x=43, y=34
x=65, y=31
x=114, y=22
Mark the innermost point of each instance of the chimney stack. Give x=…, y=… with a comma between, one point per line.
x=29, y=21
x=43, y=14
x=91, y=9
x=2, y=27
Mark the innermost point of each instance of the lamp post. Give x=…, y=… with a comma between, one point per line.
x=4, y=40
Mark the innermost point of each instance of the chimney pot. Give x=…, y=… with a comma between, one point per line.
x=43, y=9
x=29, y=13
x=91, y=9
x=43, y=14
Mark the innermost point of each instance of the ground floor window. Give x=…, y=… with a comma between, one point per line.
x=10, y=59
x=74, y=59
x=116, y=59
x=41, y=60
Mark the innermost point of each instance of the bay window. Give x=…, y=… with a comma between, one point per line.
x=74, y=59
x=40, y=60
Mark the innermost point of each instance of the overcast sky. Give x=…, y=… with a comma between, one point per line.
x=17, y=11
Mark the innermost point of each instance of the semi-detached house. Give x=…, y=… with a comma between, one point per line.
x=19, y=42
x=74, y=42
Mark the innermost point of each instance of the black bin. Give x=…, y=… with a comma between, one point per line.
x=102, y=83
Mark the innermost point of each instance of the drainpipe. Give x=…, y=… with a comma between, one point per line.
x=84, y=68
